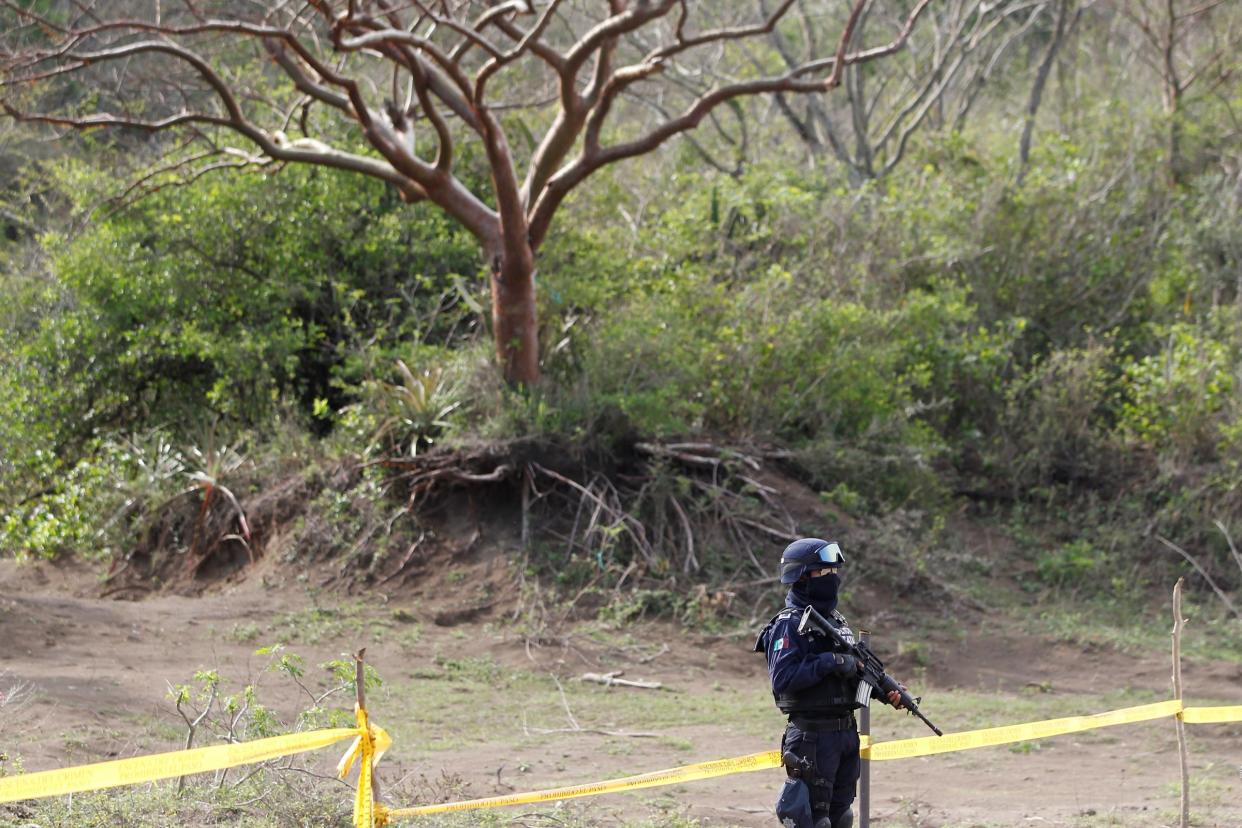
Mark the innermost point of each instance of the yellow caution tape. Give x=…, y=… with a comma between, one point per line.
x=1212, y=715
x=687, y=773
x=966, y=740
x=164, y=765
x=367, y=748
x=371, y=741
x=875, y=751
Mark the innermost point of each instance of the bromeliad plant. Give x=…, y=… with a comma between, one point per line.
x=206, y=468
x=414, y=411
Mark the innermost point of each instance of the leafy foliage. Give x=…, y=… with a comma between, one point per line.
x=1068, y=345
x=239, y=295
x=1180, y=396
x=412, y=412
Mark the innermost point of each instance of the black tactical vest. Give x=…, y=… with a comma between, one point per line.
x=835, y=695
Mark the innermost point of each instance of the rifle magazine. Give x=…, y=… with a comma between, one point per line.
x=863, y=696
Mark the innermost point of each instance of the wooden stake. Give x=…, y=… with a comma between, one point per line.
x=361, y=690
x=1178, y=622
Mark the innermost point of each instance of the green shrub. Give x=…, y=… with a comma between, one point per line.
x=1075, y=564
x=407, y=415
x=1057, y=422
x=68, y=516
x=242, y=294
x=1179, y=398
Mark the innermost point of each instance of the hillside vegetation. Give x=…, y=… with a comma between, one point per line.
x=1048, y=339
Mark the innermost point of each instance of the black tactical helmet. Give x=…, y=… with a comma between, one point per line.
x=808, y=554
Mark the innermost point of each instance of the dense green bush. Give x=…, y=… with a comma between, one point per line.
x=942, y=329
x=243, y=300
x=1179, y=398
x=1057, y=425
x=241, y=294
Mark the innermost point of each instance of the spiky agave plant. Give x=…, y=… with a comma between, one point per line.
x=416, y=409
x=151, y=463
x=206, y=467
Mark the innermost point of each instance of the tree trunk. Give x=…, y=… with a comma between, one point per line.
x=514, y=317
x=1175, y=142
x=1037, y=89
x=1173, y=96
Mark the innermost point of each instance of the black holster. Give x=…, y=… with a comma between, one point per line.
x=799, y=757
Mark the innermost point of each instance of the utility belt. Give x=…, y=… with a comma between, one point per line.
x=799, y=752
x=823, y=724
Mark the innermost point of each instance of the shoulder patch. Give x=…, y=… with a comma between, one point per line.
x=780, y=644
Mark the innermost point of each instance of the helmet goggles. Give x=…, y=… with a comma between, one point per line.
x=796, y=564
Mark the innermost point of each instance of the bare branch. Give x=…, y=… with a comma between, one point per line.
x=405, y=73
x=1037, y=88
x=1220, y=593
x=594, y=156
x=498, y=61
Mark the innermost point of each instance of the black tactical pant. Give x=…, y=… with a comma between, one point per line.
x=830, y=759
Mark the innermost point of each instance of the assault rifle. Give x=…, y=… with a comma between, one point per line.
x=872, y=668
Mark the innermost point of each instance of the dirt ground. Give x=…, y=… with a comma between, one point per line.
x=99, y=670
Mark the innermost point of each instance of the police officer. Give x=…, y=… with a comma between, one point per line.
x=818, y=689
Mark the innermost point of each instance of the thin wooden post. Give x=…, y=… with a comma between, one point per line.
x=361, y=691
x=1178, y=623
x=864, y=781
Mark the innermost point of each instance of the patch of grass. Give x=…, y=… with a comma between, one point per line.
x=1025, y=747
x=482, y=670
x=1207, y=787
x=318, y=624
x=476, y=699
x=245, y=633
x=677, y=743
x=1209, y=635
x=163, y=731
x=569, y=815
x=265, y=799
x=409, y=637
x=916, y=651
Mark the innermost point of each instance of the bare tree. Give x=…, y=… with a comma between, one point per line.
x=1067, y=16
x=941, y=75
x=414, y=82
x=1184, y=46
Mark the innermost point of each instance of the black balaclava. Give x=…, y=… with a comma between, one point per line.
x=820, y=592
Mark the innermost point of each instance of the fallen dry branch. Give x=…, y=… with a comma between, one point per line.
x=620, y=734
x=613, y=679
x=698, y=454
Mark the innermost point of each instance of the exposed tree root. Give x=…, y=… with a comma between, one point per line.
x=692, y=519
x=650, y=513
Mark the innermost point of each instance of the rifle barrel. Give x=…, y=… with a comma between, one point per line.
x=927, y=722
